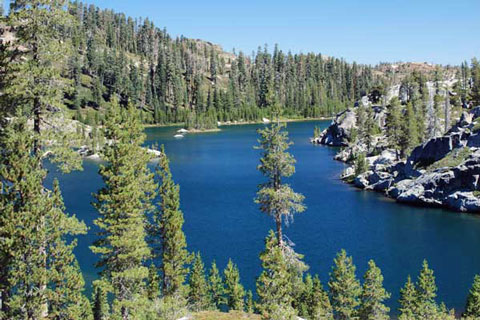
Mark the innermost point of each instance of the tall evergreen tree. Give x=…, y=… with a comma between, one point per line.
x=369, y=127
x=100, y=306
x=475, y=73
x=472, y=308
x=153, y=283
x=122, y=205
x=168, y=239
x=361, y=119
x=373, y=295
x=234, y=291
x=408, y=301
x=320, y=307
x=249, y=304
x=393, y=124
x=361, y=164
x=409, y=131
x=216, y=287
x=198, y=296
x=276, y=198
x=304, y=301
x=40, y=277
x=344, y=287
x=36, y=82
x=314, y=301
x=426, y=292
x=274, y=286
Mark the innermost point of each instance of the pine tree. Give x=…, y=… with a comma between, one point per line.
x=274, y=287
x=472, y=308
x=65, y=282
x=304, y=302
x=475, y=90
x=167, y=237
x=198, y=296
x=314, y=302
x=320, y=306
x=361, y=164
x=437, y=107
x=276, y=198
x=153, y=283
x=100, y=307
x=369, y=129
x=234, y=291
x=393, y=124
x=36, y=82
x=361, y=119
x=408, y=301
x=249, y=304
x=213, y=66
x=122, y=204
x=373, y=295
x=216, y=287
x=39, y=277
x=344, y=287
x=409, y=131
x=426, y=292
x=316, y=132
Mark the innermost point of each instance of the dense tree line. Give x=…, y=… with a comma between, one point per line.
x=175, y=80
x=469, y=84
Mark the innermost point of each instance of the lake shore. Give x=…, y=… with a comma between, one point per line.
x=281, y=120
x=233, y=123
x=204, y=130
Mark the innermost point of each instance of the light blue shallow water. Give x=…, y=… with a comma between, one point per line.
x=218, y=180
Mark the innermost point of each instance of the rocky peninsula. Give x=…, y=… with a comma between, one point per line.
x=443, y=172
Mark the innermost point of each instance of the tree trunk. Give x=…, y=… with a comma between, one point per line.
x=36, y=124
x=278, y=221
x=124, y=313
x=36, y=105
x=447, y=110
x=37, y=115
x=278, y=217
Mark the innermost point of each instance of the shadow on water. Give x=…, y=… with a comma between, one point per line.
x=218, y=178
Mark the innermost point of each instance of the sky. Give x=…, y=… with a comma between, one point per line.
x=368, y=31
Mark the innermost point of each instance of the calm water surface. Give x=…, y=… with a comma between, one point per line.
x=218, y=179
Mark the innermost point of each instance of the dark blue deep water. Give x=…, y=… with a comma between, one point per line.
x=218, y=180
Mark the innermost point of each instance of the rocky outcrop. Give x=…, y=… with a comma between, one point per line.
x=433, y=150
x=339, y=132
x=442, y=172
x=455, y=187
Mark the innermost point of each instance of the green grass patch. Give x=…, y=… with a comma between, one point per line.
x=453, y=159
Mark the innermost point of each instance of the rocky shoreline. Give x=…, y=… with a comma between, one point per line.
x=442, y=172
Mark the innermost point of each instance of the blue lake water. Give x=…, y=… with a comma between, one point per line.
x=218, y=181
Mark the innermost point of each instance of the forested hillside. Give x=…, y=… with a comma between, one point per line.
x=171, y=78
x=186, y=80
x=181, y=80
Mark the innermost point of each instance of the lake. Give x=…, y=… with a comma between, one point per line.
x=218, y=181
